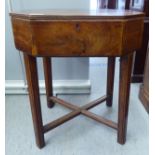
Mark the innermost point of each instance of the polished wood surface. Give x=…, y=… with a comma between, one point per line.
x=47, y=63
x=32, y=79
x=124, y=93
x=110, y=80
x=78, y=33
x=103, y=33
x=76, y=14
x=77, y=111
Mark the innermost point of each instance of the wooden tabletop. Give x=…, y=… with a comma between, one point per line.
x=77, y=14
x=77, y=32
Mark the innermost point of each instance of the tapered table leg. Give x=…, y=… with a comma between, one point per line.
x=32, y=78
x=48, y=80
x=110, y=80
x=124, y=91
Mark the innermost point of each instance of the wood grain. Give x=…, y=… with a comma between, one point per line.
x=79, y=38
x=79, y=110
x=22, y=35
x=32, y=78
x=100, y=119
x=110, y=80
x=48, y=80
x=98, y=35
x=77, y=14
x=61, y=120
x=132, y=30
x=124, y=92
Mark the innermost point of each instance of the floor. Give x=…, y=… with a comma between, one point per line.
x=81, y=135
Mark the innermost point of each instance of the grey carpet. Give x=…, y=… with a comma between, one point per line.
x=81, y=135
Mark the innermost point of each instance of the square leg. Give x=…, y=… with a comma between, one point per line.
x=48, y=80
x=124, y=92
x=110, y=80
x=32, y=79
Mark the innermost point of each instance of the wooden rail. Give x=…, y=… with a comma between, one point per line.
x=77, y=111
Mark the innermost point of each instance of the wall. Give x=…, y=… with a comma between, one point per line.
x=66, y=71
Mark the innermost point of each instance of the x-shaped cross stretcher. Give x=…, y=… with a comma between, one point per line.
x=77, y=111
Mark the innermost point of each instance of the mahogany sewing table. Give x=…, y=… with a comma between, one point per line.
x=98, y=33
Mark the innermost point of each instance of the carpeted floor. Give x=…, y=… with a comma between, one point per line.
x=81, y=135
